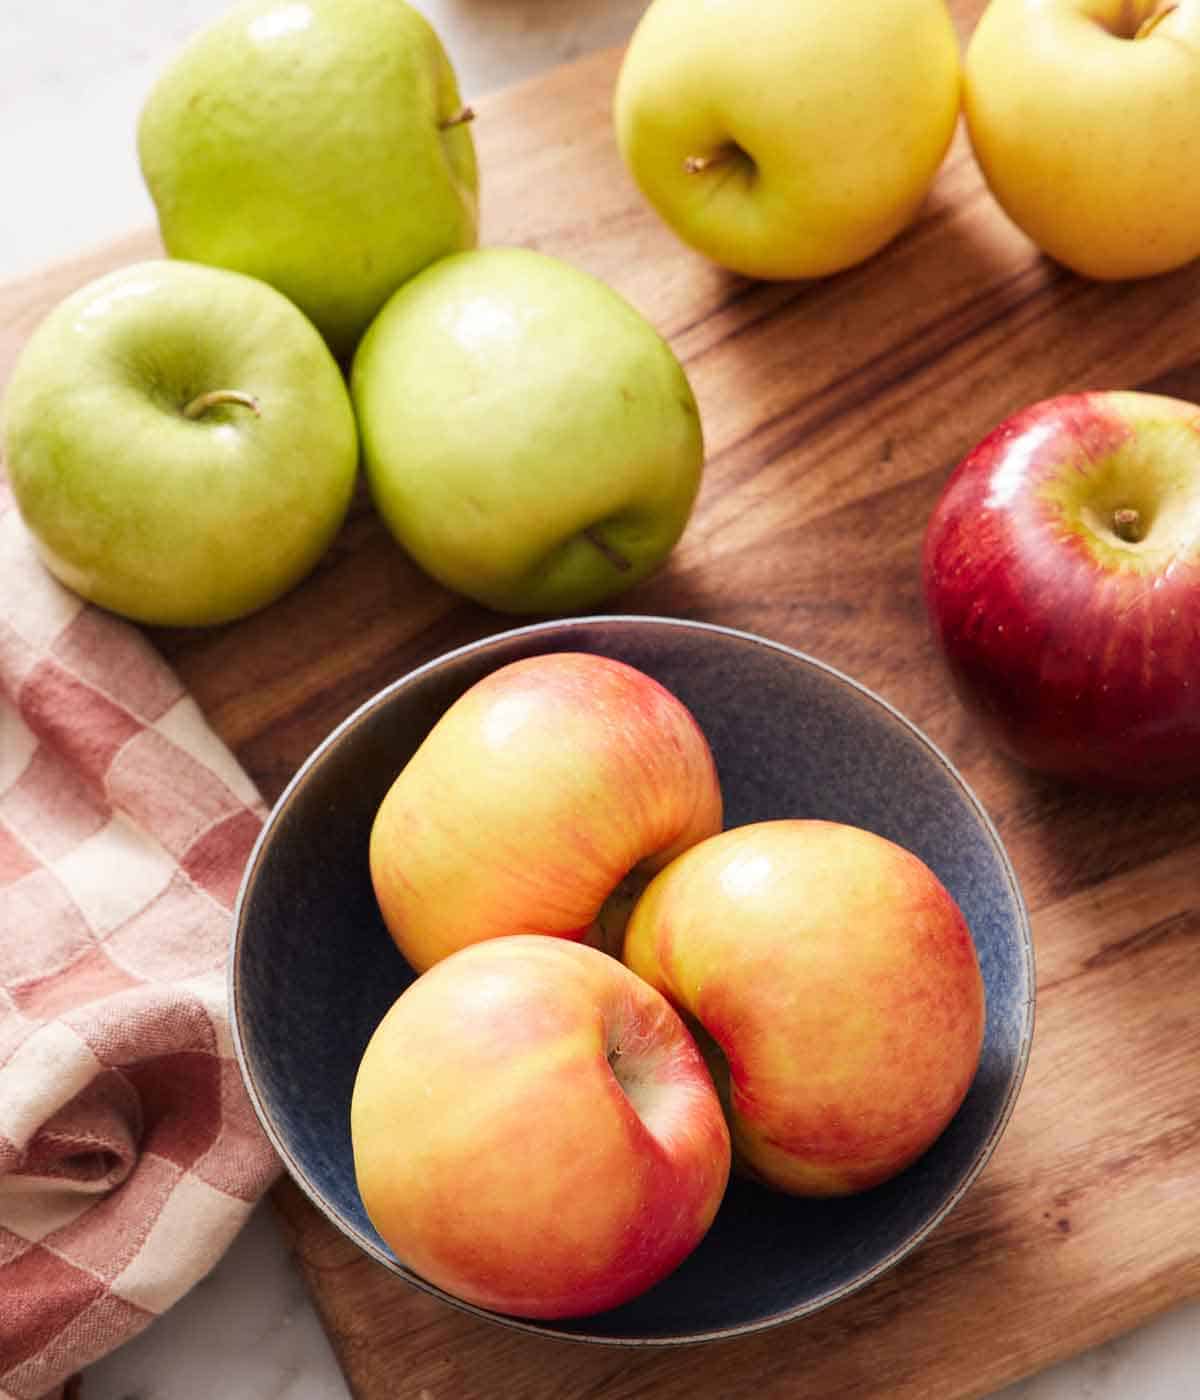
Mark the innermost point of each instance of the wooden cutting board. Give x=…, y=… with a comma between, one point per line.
x=833, y=413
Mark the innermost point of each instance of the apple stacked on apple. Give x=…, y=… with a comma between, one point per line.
x=836, y=987
x=322, y=147
x=1083, y=119
x=534, y=1129
x=561, y=782
x=1062, y=577
x=788, y=138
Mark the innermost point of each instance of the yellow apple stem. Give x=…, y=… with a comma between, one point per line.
x=1127, y=524
x=459, y=118
x=695, y=164
x=614, y=556
x=1151, y=22
x=203, y=402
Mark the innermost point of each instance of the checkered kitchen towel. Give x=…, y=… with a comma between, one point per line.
x=129, y=1155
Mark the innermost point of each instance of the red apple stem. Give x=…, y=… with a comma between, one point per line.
x=463, y=115
x=1151, y=22
x=1127, y=524
x=200, y=405
x=614, y=556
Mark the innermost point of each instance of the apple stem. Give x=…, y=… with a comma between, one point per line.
x=1151, y=22
x=459, y=118
x=695, y=164
x=614, y=556
x=203, y=402
x=1127, y=524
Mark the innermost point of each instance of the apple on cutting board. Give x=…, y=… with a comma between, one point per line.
x=833, y=982
x=788, y=138
x=1083, y=116
x=534, y=1130
x=540, y=802
x=1062, y=578
x=528, y=437
x=180, y=443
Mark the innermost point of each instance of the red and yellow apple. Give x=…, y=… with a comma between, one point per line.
x=535, y=1131
x=540, y=802
x=1062, y=578
x=835, y=988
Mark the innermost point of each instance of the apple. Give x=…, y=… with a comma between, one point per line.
x=540, y=802
x=180, y=443
x=321, y=146
x=836, y=987
x=1062, y=578
x=788, y=138
x=535, y=1132
x=528, y=437
x=1083, y=117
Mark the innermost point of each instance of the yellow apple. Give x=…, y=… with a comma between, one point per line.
x=788, y=138
x=1084, y=116
x=835, y=983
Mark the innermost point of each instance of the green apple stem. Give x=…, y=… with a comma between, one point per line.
x=1127, y=524
x=614, y=556
x=459, y=118
x=1151, y=22
x=200, y=405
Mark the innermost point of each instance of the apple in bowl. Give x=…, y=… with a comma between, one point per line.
x=1062, y=578
x=530, y=1039
x=835, y=985
x=540, y=802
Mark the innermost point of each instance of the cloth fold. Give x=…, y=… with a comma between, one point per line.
x=129, y=1153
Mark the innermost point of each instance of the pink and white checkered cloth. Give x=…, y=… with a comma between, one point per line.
x=129, y=1154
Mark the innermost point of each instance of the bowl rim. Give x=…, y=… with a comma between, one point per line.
x=547, y=1328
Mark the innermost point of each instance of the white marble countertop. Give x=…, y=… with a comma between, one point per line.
x=74, y=75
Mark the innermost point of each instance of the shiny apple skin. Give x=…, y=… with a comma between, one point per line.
x=1078, y=652
x=540, y=802
x=833, y=981
x=535, y=1130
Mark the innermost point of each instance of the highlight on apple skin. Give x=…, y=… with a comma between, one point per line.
x=788, y=138
x=1082, y=116
x=540, y=802
x=834, y=985
x=1061, y=572
x=535, y=1131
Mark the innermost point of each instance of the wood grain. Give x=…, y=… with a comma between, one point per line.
x=833, y=412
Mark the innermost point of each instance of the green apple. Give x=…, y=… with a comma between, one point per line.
x=1084, y=116
x=528, y=437
x=180, y=443
x=788, y=138
x=321, y=146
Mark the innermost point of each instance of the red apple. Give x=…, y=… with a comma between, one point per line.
x=534, y=1130
x=836, y=987
x=1062, y=577
x=539, y=803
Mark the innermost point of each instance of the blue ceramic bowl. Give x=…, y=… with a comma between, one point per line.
x=313, y=969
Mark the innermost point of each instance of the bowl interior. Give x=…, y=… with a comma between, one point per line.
x=313, y=969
